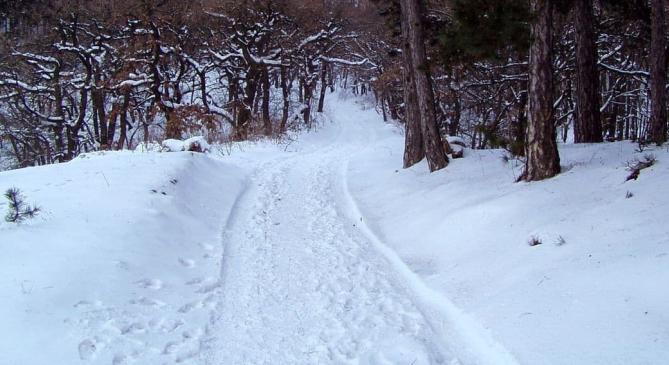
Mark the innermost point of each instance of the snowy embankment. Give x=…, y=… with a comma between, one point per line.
x=123, y=262
x=593, y=292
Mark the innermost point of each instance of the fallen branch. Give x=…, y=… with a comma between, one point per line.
x=637, y=166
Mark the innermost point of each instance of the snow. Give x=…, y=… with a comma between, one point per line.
x=148, y=147
x=456, y=140
x=194, y=144
x=303, y=285
x=121, y=264
x=173, y=145
x=596, y=298
x=323, y=250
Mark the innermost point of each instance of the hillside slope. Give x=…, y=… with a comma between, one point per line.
x=594, y=291
x=121, y=263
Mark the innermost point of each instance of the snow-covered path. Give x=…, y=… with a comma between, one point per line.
x=301, y=284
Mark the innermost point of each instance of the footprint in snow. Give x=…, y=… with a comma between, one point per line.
x=133, y=328
x=208, y=288
x=86, y=304
x=171, y=347
x=148, y=302
x=187, y=355
x=190, y=306
x=165, y=325
x=187, y=262
x=122, y=265
x=195, y=281
x=153, y=284
x=87, y=349
x=120, y=359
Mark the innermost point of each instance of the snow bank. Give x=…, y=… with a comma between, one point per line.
x=148, y=147
x=593, y=291
x=173, y=145
x=193, y=144
x=122, y=264
x=196, y=144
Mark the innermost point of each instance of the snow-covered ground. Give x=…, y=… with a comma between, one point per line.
x=121, y=264
x=596, y=291
x=323, y=250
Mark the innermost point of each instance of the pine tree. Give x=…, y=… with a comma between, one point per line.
x=485, y=30
x=414, y=151
x=18, y=209
x=587, y=123
x=658, y=73
x=419, y=69
x=542, y=159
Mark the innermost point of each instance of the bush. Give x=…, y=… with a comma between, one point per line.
x=18, y=209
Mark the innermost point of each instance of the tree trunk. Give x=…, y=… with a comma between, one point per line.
x=98, y=102
x=145, y=127
x=73, y=130
x=658, y=74
x=59, y=125
x=285, y=94
x=587, y=123
x=321, y=97
x=306, y=112
x=383, y=105
x=454, y=125
x=111, y=129
x=420, y=70
x=520, y=127
x=267, y=122
x=542, y=159
x=124, y=119
x=241, y=129
x=392, y=106
x=414, y=151
x=203, y=90
x=331, y=79
x=300, y=96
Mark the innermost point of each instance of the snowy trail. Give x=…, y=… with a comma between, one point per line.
x=301, y=284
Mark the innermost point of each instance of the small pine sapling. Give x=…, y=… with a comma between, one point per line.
x=18, y=209
x=534, y=241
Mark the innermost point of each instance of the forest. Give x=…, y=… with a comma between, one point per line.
x=78, y=76
x=345, y=182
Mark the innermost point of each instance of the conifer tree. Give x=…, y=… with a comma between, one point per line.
x=542, y=159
